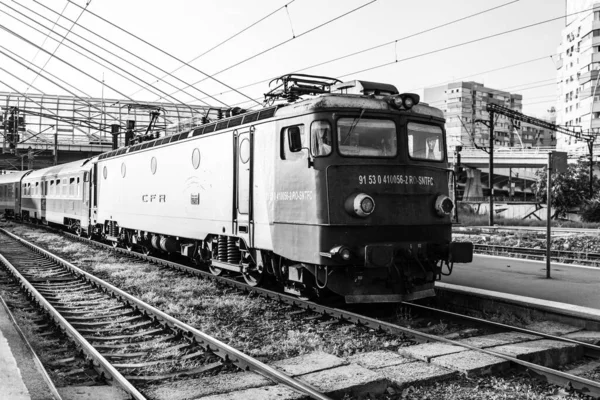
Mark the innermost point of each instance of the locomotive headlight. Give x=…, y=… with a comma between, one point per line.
x=408, y=102
x=360, y=205
x=444, y=205
x=345, y=253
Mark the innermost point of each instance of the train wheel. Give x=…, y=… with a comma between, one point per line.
x=147, y=251
x=114, y=244
x=79, y=231
x=215, y=271
x=253, y=275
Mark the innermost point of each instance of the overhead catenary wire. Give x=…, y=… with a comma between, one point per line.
x=46, y=38
x=53, y=82
x=20, y=37
x=433, y=28
x=87, y=50
x=223, y=42
x=161, y=50
x=445, y=48
x=30, y=63
x=285, y=42
x=125, y=50
x=59, y=44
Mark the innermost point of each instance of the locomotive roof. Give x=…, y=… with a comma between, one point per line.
x=354, y=101
x=11, y=178
x=72, y=167
x=324, y=101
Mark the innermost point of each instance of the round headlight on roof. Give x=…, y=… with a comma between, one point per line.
x=408, y=102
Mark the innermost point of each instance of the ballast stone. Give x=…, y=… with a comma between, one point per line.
x=92, y=393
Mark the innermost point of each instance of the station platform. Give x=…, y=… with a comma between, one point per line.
x=570, y=284
x=22, y=376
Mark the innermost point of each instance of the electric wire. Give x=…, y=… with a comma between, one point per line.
x=15, y=34
x=87, y=50
x=112, y=53
x=223, y=42
x=30, y=63
x=284, y=42
x=59, y=44
x=162, y=51
x=46, y=38
x=388, y=43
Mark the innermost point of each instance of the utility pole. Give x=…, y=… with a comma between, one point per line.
x=590, y=143
x=491, y=176
x=549, y=213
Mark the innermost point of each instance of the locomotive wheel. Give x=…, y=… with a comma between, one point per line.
x=147, y=251
x=253, y=275
x=129, y=247
x=79, y=231
x=215, y=271
x=114, y=244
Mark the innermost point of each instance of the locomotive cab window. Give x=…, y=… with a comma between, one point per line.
x=425, y=142
x=320, y=138
x=367, y=137
x=292, y=142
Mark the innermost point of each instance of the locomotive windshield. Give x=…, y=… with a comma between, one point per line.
x=367, y=137
x=425, y=142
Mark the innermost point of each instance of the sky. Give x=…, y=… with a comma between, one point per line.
x=290, y=34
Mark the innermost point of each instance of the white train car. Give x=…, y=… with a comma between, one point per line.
x=59, y=195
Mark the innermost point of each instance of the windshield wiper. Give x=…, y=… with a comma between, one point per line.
x=354, y=123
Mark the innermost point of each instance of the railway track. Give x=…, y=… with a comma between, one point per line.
x=128, y=341
x=332, y=314
x=539, y=254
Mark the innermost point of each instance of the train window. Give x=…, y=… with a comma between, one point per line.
x=123, y=170
x=104, y=172
x=425, y=142
x=46, y=188
x=78, y=186
x=367, y=137
x=286, y=144
x=320, y=138
x=153, y=165
x=72, y=187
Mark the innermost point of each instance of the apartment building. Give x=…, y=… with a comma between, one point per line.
x=463, y=103
x=578, y=66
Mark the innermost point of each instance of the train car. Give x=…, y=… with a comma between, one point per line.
x=10, y=194
x=59, y=195
x=341, y=188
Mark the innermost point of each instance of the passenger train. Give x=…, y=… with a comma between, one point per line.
x=336, y=187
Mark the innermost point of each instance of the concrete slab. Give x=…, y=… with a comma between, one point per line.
x=426, y=351
x=378, y=359
x=552, y=328
x=278, y=392
x=92, y=393
x=307, y=363
x=592, y=337
x=472, y=363
x=549, y=353
x=213, y=385
x=416, y=373
x=498, y=339
x=350, y=379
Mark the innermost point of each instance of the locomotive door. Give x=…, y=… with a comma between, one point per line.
x=244, y=149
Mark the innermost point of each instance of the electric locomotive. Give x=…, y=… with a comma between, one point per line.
x=339, y=187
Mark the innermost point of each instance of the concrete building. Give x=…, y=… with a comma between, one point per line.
x=465, y=102
x=578, y=65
